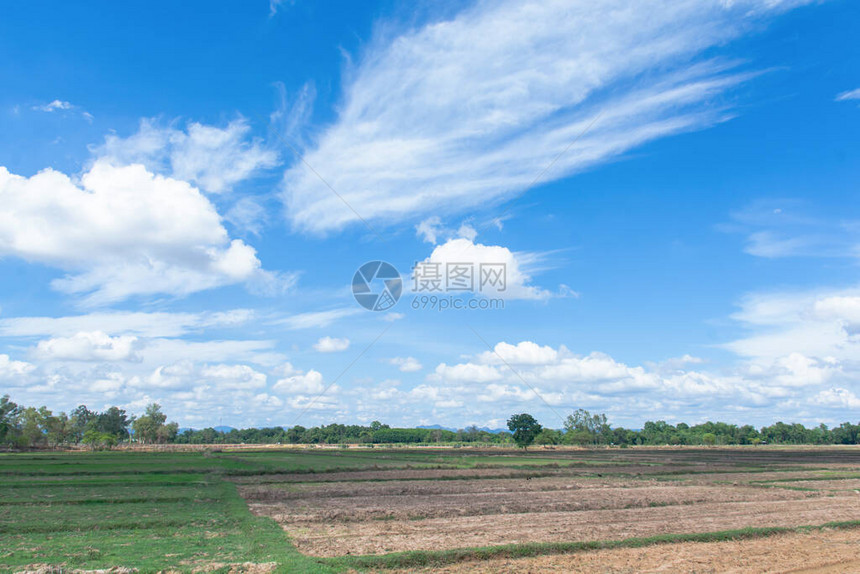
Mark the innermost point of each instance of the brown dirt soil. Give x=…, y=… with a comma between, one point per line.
x=817, y=552
x=376, y=475
x=604, y=494
x=427, y=500
x=383, y=536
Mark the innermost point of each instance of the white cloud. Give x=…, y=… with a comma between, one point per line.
x=470, y=110
x=54, y=106
x=777, y=228
x=234, y=377
x=837, y=398
x=849, y=95
x=310, y=383
x=10, y=369
x=331, y=345
x=466, y=373
x=248, y=215
x=512, y=266
x=89, y=346
x=62, y=106
x=562, y=378
x=122, y=232
x=817, y=324
x=429, y=229
x=213, y=158
x=275, y=5
x=157, y=324
x=316, y=319
x=406, y=364
x=524, y=353
x=260, y=352
x=266, y=401
x=178, y=375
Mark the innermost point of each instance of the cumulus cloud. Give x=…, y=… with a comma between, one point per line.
x=525, y=372
x=487, y=264
x=837, y=398
x=213, y=158
x=331, y=345
x=406, y=364
x=121, y=232
x=301, y=383
x=89, y=346
x=11, y=369
x=469, y=110
x=234, y=377
x=818, y=323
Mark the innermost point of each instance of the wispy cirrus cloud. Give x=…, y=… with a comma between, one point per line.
x=62, y=106
x=849, y=95
x=777, y=228
x=53, y=106
x=214, y=158
x=470, y=110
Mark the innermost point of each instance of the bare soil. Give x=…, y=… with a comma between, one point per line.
x=589, y=496
x=821, y=552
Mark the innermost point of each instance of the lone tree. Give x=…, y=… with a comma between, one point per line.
x=525, y=429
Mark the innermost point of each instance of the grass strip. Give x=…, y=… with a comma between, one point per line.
x=84, y=501
x=436, y=558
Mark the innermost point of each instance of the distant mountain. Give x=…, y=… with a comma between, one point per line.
x=222, y=428
x=435, y=427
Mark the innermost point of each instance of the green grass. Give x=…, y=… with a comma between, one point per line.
x=151, y=511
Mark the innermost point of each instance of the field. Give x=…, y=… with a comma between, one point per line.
x=451, y=510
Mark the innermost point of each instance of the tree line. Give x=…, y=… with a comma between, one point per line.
x=31, y=427
x=584, y=429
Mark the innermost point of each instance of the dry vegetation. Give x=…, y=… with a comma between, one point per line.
x=576, y=496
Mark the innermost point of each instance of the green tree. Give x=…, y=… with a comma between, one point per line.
x=53, y=426
x=98, y=440
x=10, y=414
x=709, y=438
x=525, y=428
x=151, y=427
x=80, y=419
x=582, y=427
x=113, y=421
x=548, y=436
x=32, y=434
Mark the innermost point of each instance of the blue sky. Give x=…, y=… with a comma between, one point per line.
x=186, y=192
